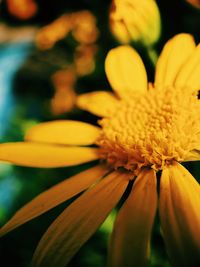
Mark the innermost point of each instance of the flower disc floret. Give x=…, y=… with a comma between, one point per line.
x=152, y=130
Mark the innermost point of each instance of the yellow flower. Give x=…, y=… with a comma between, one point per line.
x=144, y=129
x=137, y=21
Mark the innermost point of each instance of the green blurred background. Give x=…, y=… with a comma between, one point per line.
x=32, y=89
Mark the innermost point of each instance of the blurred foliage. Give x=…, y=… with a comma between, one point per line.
x=43, y=85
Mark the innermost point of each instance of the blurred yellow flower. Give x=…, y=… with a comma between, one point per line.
x=137, y=21
x=84, y=59
x=82, y=24
x=53, y=32
x=145, y=129
x=64, y=80
x=84, y=29
x=65, y=97
x=195, y=3
x=22, y=9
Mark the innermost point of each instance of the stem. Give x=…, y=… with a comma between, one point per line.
x=153, y=56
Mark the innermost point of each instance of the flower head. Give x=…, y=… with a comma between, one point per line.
x=145, y=128
x=151, y=130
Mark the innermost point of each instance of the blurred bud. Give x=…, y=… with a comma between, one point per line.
x=84, y=29
x=55, y=31
x=137, y=21
x=65, y=96
x=195, y=3
x=81, y=24
x=84, y=59
x=22, y=9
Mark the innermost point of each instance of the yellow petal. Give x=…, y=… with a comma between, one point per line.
x=189, y=73
x=193, y=155
x=79, y=221
x=64, y=132
x=174, y=54
x=132, y=229
x=125, y=71
x=180, y=216
x=45, y=156
x=53, y=197
x=99, y=103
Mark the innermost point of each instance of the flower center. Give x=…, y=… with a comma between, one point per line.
x=152, y=130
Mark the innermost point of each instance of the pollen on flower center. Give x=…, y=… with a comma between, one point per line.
x=152, y=130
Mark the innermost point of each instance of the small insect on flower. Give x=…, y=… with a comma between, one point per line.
x=144, y=129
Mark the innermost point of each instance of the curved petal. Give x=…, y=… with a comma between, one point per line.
x=64, y=132
x=45, y=156
x=193, y=155
x=132, y=229
x=174, y=54
x=99, y=103
x=180, y=216
x=189, y=73
x=79, y=221
x=53, y=197
x=125, y=71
